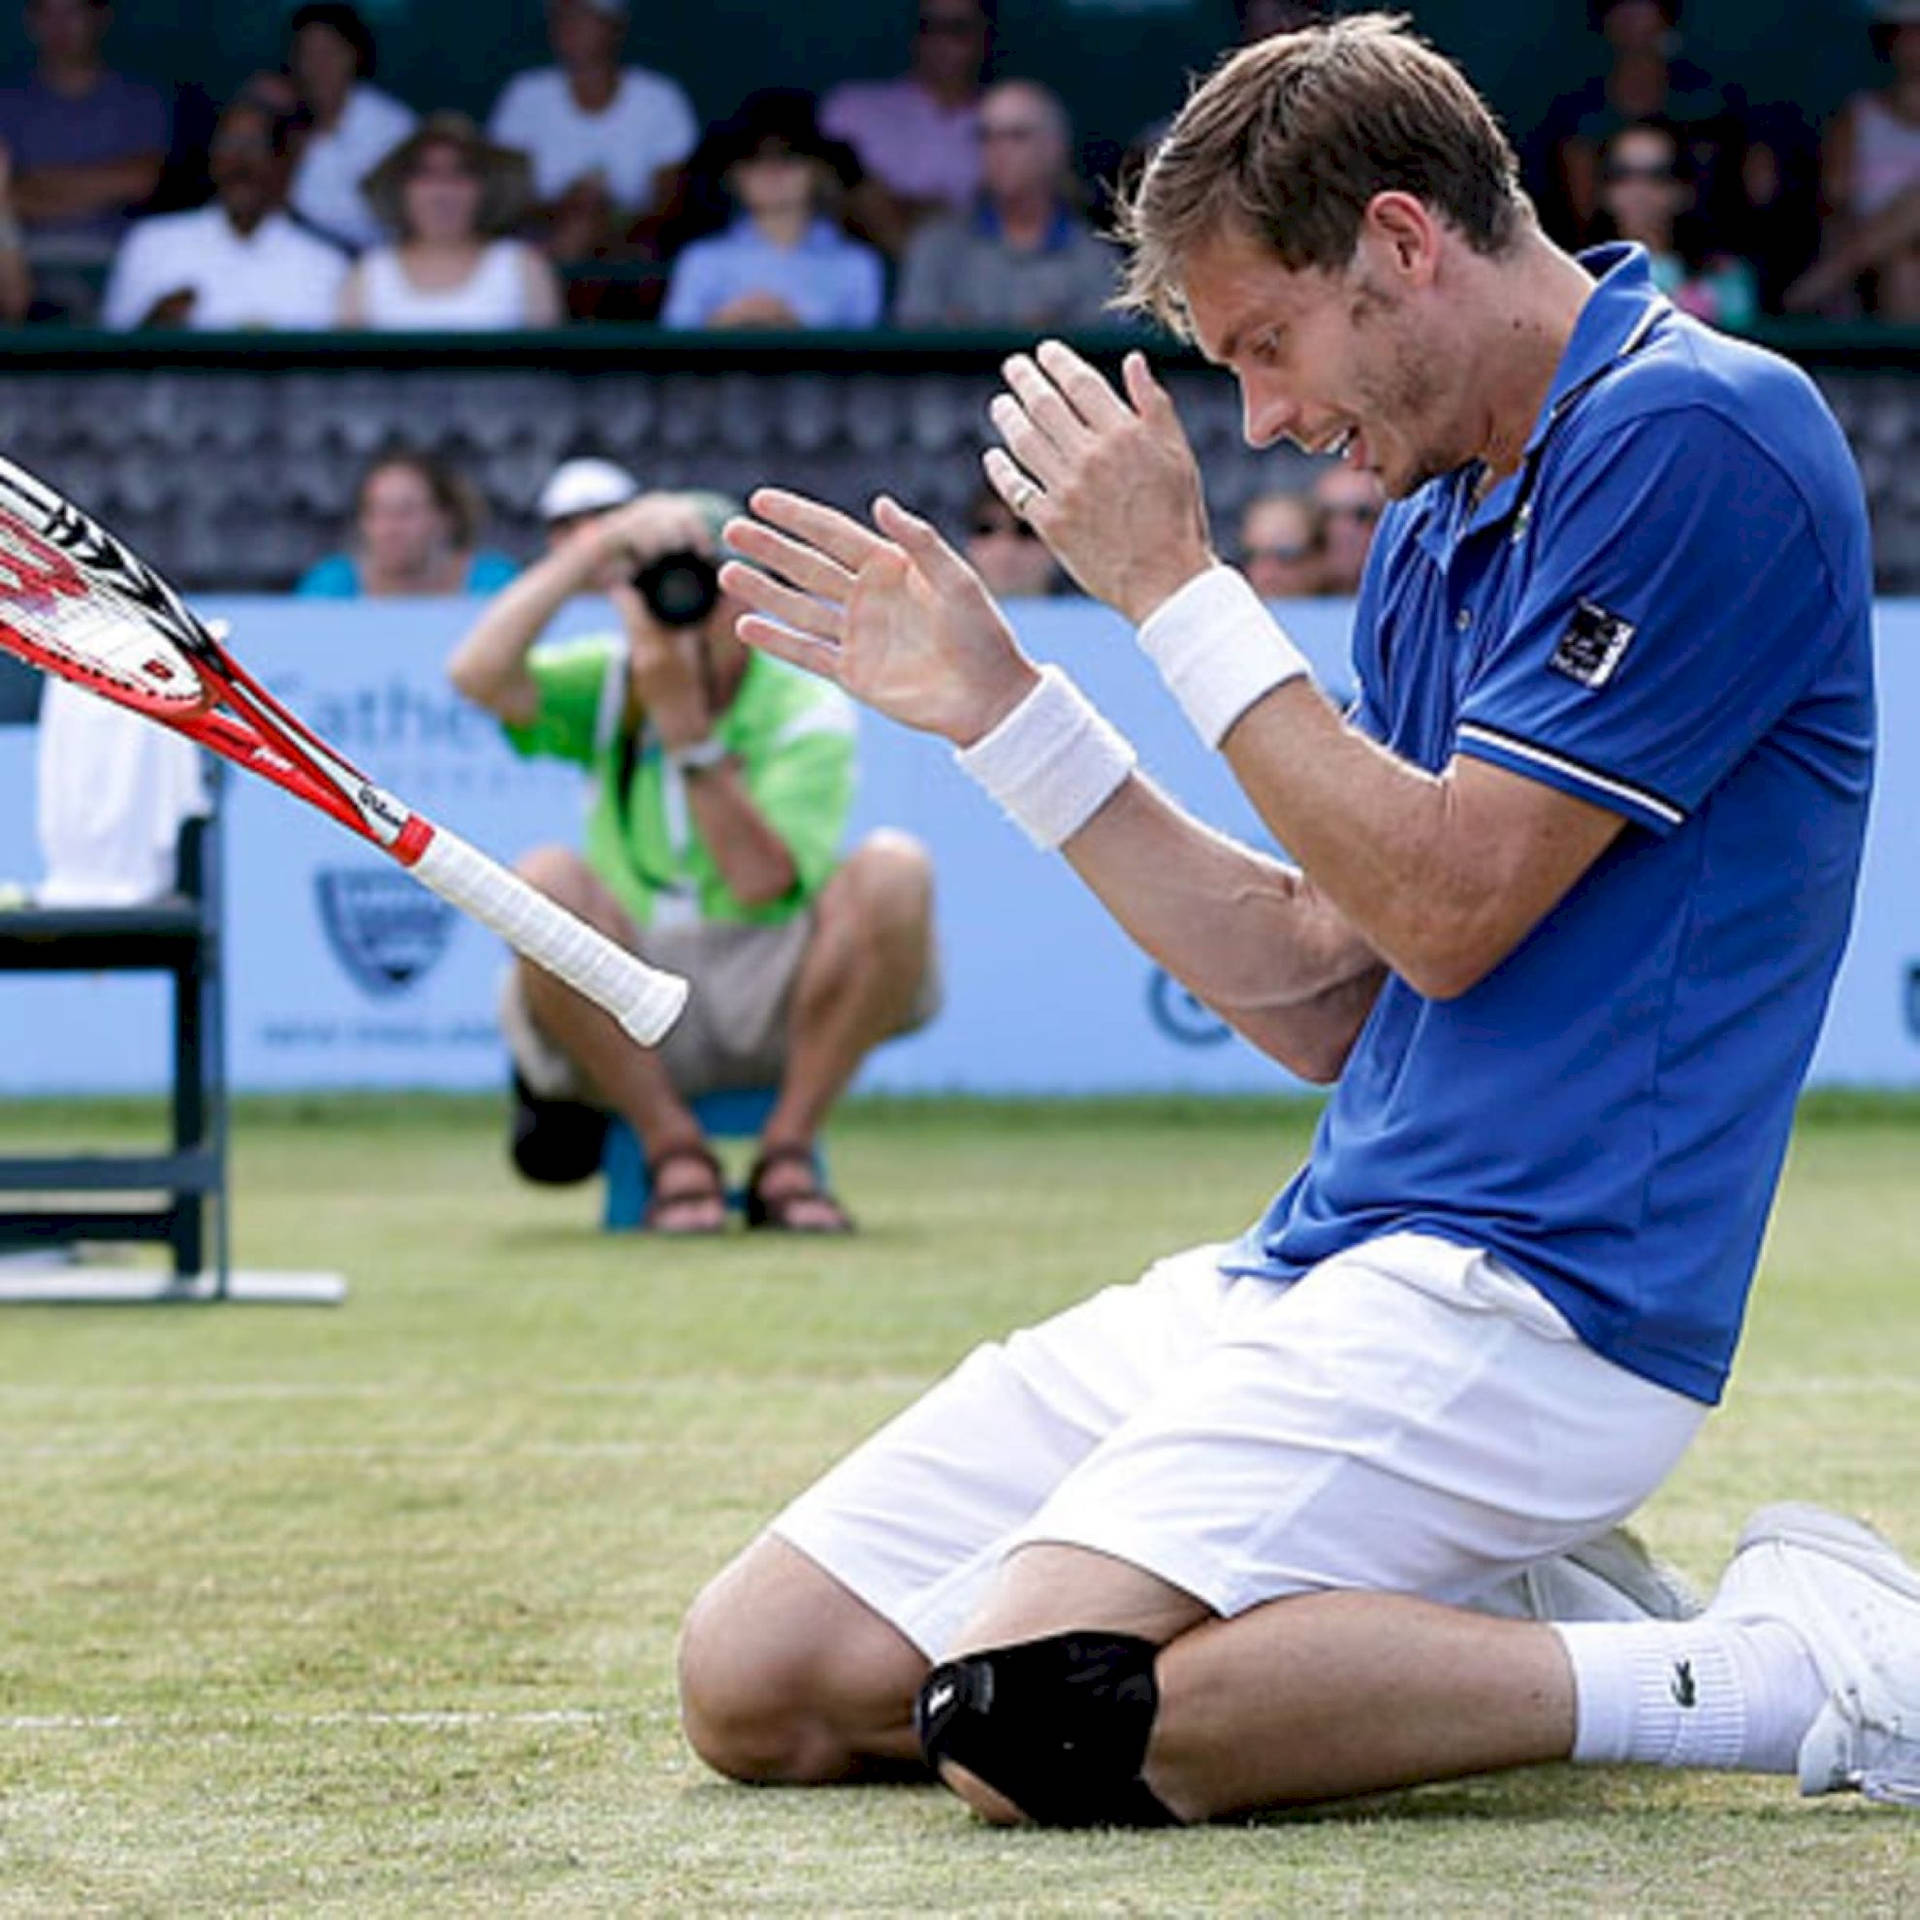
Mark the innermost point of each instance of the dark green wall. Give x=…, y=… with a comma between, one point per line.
x=1118, y=69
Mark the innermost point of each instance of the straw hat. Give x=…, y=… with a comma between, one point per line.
x=506, y=175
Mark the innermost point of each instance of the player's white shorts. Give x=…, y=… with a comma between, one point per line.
x=1410, y=1417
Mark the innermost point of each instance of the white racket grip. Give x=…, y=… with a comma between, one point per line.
x=645, y=1000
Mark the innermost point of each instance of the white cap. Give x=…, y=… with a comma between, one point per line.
x=584, y=486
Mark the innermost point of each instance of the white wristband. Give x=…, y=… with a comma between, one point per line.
x=1052, y=763
x=1219, y=650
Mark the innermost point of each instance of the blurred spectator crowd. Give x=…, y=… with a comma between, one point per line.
x=943, y=198
x=953, y=195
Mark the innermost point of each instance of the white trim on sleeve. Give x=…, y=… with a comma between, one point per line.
x=1586, y=776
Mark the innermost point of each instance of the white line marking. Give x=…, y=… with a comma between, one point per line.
x=441, y=1720
x=236, y=1452
x=37, y=1392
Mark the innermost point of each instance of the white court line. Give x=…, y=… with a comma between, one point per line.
x=1827, y=1387
x=234, y=1453
x=633, y=1388
x=432, y=1720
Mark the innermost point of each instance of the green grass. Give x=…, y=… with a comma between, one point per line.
x=371, y=1611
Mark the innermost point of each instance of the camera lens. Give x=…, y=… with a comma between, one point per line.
x=680, y=589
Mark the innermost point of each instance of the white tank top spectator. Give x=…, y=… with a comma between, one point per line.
x=783, y=262
x=918, y=136
x=451, y=196
x=239, y=262
x=1023, y=257
x=353, y=126
x=605, y=140
x=1870, y=188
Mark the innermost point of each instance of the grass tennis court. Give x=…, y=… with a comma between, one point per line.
x=371, y=1611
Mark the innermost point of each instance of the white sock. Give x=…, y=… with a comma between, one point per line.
x=1730, y=1694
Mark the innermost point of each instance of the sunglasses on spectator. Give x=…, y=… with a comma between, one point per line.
x=985, y=527
x=1290, y=556
x=950, y=26
x=1362, y=510
x=1010, y=130
x=1617, y=170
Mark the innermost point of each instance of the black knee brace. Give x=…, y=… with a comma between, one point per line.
x=1059, y=1726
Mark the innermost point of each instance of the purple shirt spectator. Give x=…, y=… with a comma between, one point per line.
x=920, y=148
x=86, y=147
x=116, y=119
x=917, y=135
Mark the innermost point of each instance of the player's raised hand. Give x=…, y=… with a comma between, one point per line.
x=894, y=616
x=1105, y=478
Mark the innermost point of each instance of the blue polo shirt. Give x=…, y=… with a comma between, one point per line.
x=1665, y=611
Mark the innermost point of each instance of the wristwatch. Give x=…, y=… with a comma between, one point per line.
x=698, y=756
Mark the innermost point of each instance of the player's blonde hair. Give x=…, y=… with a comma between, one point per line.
x=1289, y=140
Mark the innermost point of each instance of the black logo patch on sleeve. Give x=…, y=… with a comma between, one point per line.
x=1591, y=647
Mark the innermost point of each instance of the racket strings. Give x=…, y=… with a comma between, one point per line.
x=99, y=631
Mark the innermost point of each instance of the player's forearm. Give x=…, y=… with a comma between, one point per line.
x=752, y=858
x=1243, y=932
x=1384, y=841
x=489, y=665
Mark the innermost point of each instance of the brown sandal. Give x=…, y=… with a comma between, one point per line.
x=775, y=1211
x=662, y=1208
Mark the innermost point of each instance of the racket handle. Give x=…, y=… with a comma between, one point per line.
x=645, y=1000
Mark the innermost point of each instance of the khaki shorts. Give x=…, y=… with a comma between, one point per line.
x=734, y=1031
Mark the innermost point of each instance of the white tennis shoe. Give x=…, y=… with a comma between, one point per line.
x=1611, y=1577
x=1856, y=1604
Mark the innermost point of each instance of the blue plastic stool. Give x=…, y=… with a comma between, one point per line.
x=736, y=1114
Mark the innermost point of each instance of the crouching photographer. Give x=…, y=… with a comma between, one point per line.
x=722, y=783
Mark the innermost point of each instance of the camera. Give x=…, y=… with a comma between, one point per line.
x=680, y=589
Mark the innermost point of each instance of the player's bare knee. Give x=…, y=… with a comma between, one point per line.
x=743, y=1704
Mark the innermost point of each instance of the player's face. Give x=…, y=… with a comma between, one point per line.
x=1331, y=361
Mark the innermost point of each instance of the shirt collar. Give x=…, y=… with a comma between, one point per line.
x=1622, y=309
x=1619, y=313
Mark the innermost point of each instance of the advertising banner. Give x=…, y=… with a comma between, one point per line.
x=344, y=973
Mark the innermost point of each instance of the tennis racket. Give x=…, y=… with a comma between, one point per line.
x=77, y=603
